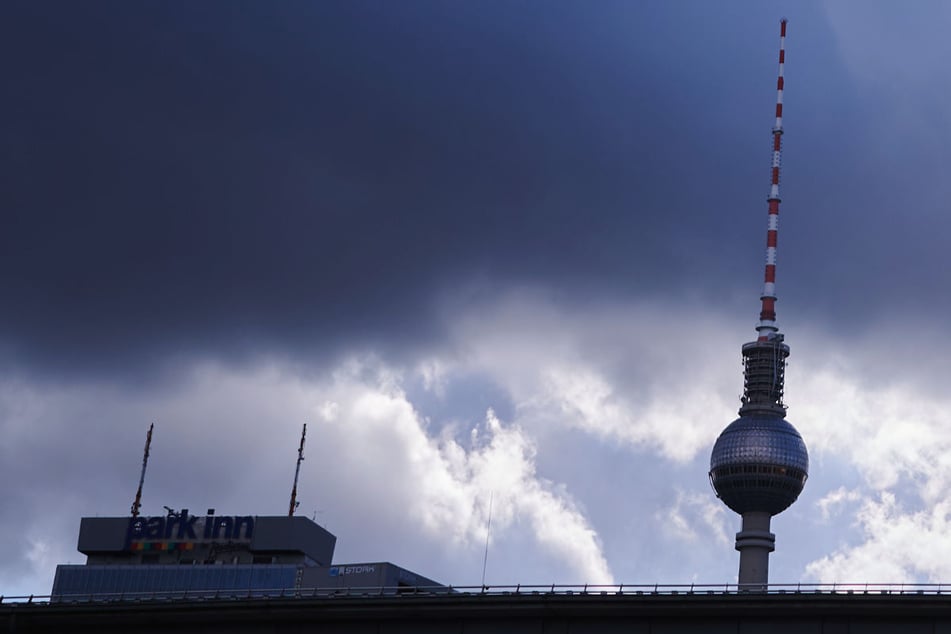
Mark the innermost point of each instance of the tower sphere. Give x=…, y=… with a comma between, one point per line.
x=759, y=463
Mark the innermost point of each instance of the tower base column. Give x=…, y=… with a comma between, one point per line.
x=755, y=543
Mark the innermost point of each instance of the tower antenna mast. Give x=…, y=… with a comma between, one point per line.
x=759, y=464
x=767, y=317
x=137, y=504
x=300, y=459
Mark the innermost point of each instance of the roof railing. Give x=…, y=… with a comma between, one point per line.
x=556, y=590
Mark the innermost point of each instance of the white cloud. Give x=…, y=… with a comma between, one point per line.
x=446, y=486
x=587, y=400
x=893, y=433
x=434, y=374
x=831, y=503
x=899, y=546
x=564, y=366
x=614, y=413
x=694, y=517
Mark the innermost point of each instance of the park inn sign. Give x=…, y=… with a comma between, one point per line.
x=190, y=528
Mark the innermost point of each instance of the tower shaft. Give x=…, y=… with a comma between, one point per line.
x=767, y=316
x=755, y=543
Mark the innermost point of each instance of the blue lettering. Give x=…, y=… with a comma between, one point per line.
x=155, y=528
x=186, y=526
x=135, y=530
x=191, y=528
x=223, y=528
x=247, y=523
x=170, y=522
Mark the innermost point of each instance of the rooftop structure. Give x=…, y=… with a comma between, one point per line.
x=214, y=555
x=181, y=554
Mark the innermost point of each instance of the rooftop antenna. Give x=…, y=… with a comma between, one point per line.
x=759, y=464
x=137, y=504
x=488, y=529
x=300, y=459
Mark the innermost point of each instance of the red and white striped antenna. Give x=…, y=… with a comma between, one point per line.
x=767, y=317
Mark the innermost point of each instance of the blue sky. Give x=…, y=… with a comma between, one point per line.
x=503, y=250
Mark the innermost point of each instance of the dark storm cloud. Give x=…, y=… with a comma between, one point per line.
x=186, y=178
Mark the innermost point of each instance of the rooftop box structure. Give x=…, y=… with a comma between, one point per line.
x=128, y=557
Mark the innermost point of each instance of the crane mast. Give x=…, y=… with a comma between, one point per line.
x=137, y=503
x=300, y=459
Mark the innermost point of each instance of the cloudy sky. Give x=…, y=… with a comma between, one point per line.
x=494, y=253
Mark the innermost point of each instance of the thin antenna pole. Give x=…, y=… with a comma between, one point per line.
x=767, y=317
x=300, y=459
x=137, y=504
x=488, y=528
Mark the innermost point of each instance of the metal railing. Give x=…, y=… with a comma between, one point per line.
x=357, y=592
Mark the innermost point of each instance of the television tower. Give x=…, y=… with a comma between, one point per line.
x=759, y=463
